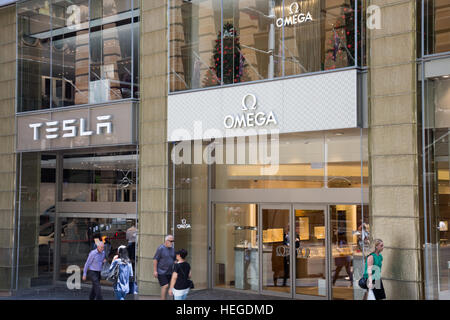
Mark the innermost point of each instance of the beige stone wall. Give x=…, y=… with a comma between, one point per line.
x=153, y=157
x=393, y=147
x=7, y=142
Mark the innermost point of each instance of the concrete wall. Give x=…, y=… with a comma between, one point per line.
x=7, y=142
x=153, y=157
x=393, y=147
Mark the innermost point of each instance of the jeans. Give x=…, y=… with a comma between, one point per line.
x=96, y=291
x=120, y=295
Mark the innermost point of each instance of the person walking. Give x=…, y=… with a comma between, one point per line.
x=162, y=264
x=179, y=283
x=93, y=268
x=372, y=272
x=122, y=285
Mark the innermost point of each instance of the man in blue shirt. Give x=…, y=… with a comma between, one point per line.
x=163, y=263
x=93, y=268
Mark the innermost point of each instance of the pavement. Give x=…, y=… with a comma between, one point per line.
x=60, y=292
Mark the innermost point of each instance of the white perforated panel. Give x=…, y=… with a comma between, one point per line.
x=318, y=102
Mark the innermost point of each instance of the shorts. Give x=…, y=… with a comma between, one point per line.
x=180, y=294
x=164, y=279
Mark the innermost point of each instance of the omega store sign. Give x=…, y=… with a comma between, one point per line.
x=77, y=128
x=317, y=102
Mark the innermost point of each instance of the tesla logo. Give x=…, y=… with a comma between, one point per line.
x=71, y=128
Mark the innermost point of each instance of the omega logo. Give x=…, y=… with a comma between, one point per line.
x=70, y=128
x=249, y=119
x=295, y=18
x=296, y=6
x=284, y=251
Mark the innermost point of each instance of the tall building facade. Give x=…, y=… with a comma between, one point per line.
x=275, y=139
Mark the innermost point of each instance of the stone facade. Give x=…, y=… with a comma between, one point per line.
x=153, y=149
x=7, y=143
x=393, y=147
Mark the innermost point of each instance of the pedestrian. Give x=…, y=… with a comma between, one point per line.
x=180, y=284
x=163, y=263
x=122, y=284
x=93, y=268
x=372, y=272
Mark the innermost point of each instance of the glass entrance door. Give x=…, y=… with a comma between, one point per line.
x=292, y=240
x=276, y=258
x=294, y=247
x=310, y=256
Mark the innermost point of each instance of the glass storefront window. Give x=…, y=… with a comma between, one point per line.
x=188, y=222
x=306, y=160
x=236, y=258
x=437, y=182
x=216, y=42
x=67, y=203
x=437, y=26
x=109, y=177
x=77, y=52
x=348, y=222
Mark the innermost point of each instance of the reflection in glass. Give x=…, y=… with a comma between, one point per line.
x=188, y=198
x=79, y=236
x=259, y=39
x=195, y=44
x=276, y=250
x=64, y=59
x=437, y=147
x=236, y=247
x=310, y=254
x=100, y=177
x=110, y=51
x=437, y=26
x=306, y=160
x=347, y=249
x=34, y=46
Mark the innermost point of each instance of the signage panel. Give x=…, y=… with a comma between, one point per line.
x=325, y=101
x=77, y=128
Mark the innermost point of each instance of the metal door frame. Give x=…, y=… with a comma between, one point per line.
x=283, y=206
x=328, y=288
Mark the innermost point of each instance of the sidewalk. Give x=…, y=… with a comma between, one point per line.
x=60, y=292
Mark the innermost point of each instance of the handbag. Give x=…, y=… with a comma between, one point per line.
x=105, y=270
x=113, y=276
x=362, y=283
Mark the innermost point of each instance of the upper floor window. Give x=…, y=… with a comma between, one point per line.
x=436, y=26
x=77, y=52
x=217, y=42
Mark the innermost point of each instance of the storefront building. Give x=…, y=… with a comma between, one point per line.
x=268, y=145
x=266, y=135
x=77, y=93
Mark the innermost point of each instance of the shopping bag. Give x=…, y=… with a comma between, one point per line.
x=105, y=268
x=371, y=295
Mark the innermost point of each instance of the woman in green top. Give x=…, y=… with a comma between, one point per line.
x=372, y=271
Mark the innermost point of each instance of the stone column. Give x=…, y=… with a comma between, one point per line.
x=7, y=143
x=393, y=147
x=153, y=153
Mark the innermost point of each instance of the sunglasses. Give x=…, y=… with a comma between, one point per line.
x=171, y=240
